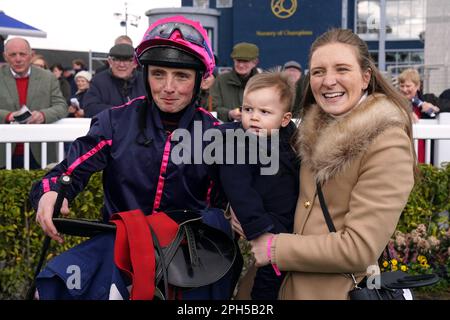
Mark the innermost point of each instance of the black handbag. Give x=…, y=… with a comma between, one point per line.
x=395, y=285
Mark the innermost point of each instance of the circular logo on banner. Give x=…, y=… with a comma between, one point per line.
x=281, y=10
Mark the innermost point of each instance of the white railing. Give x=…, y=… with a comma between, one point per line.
x=67, y=130
x=440, y=133
x=64, y=130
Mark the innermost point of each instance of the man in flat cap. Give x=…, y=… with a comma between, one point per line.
x=116, y=86
x=228, y=89
x=294, y=71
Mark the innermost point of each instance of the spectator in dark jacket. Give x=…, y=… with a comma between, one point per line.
x=295, y=72
x=64, y=85
x=423, y=105
x=116, y=86
x=119, y=40
x=445, y=95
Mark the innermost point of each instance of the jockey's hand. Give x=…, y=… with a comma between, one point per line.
x=44, y=214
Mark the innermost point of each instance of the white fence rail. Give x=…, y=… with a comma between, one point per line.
x=64, y=130
x=67, y=130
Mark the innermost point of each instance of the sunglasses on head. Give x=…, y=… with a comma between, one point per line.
x=187, y=31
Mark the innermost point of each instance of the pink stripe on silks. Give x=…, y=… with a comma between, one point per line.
x=128, y=103
x=87, y=155
x=162, y=171
x=216, y=123
x=205, y=111
x=208, y=194
x=46, y=185
x=54, y=179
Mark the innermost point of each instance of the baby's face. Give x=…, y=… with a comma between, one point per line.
x=262, y=111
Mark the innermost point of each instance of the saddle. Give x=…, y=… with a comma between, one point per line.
x=184, y=253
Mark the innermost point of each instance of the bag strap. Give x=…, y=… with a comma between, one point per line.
x=330, y=224
x=325, y=211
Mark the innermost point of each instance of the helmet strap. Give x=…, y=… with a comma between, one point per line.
x=198, y=83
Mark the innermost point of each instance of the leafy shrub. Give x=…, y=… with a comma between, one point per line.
x=429, y=200
x=20, y=236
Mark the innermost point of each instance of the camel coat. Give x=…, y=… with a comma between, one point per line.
x=364, y=162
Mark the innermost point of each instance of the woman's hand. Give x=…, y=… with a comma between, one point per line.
x=428, y=107
x=260, y=249
x=44, y=214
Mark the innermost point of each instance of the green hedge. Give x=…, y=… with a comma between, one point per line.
x=21, y=238
x=429, y=198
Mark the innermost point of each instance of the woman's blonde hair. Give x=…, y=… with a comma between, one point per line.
x=411, y=75
x=377, y=83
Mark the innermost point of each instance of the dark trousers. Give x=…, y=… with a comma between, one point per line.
x=18, y=162
x=266, y=284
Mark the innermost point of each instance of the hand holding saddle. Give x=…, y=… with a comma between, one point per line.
x=178, y=248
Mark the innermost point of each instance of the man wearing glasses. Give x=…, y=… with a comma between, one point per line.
x=116, y=86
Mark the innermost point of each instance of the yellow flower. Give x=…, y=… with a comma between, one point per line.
x=403, y=268
x=421, y=258
x=394, y=262
x=394, y=268
x=385, y=263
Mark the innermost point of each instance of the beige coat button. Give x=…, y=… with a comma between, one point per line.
x=307, y=204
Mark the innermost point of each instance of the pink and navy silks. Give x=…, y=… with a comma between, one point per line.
x=135, y=175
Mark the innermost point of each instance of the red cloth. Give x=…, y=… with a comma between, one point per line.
x=22, y=88
x=421, y=142
x=133, y=249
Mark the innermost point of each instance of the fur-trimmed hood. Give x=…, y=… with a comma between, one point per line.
x=328, y=145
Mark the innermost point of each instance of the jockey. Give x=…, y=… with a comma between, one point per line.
x=132, y=143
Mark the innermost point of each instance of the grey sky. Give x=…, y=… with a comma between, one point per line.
x=81, y=24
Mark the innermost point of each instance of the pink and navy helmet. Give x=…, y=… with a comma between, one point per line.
x=177, y=42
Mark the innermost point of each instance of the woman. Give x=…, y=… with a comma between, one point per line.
x=76, y=107
x=355, y=140
x=422, y=106
x=409, y=81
